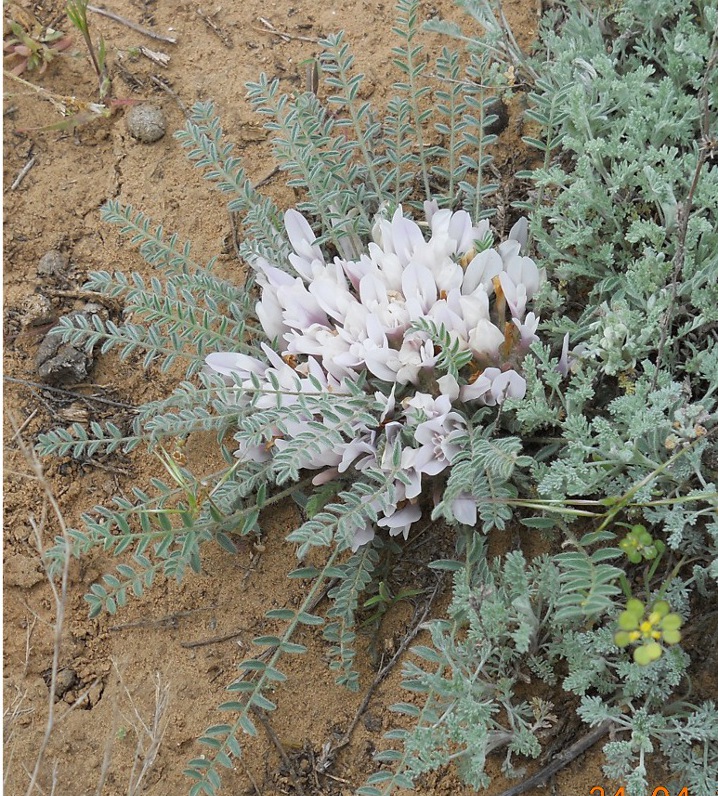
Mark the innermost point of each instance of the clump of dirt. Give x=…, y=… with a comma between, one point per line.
x=146, y=122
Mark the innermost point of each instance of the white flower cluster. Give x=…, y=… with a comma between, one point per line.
x=335, y=320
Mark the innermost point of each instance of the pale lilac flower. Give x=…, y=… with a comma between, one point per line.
x=568, y=360
x=520, y=279
x=563, y=364
x=400, y=236
x=354, y=449
x=520, y=232
x=331, y=291
x=508, y=250
x=325, y=476
x=493, y=387
x=308, y=458
x=449, y=386
x=377, y=315
x=228, y=363
x=320, y=342
x=301, y=308
x=412, y=476
x=422, y=406
x=401, y=520
x=356, y=269
x=485, y=339
x=447, y=274
x=415, y=355
x=448, y=312
x=430, y=208
x=481, y=271
x=457, y=227
x=302, y=238
x=437, y=440
x=419, y=287
x=527, y=330
x=381, y=360
x=474, y=308
x=463, y=231
x=252, y=453
x=464, y=509
x=362, y=536
x=387, y=402
x=515, y=295
x=386, y=305
x=506, y=384
x=386, y=265
x=270, y=310
x=477, y=389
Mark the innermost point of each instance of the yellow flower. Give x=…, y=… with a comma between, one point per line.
x=658, y=628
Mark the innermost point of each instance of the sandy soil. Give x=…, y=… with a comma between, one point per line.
x=114, y=667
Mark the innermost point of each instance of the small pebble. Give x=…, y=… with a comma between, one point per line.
x=66, y=679
x=497, y=107
x=146, y=122
x=62, y=363
x=36, y=310
x=52, y=263
x=94, y=695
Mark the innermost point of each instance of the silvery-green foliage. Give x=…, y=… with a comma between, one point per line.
x=624, y=209
x=690, y=745
x=688, y=740
x=506, y=626
x=623, y=212
x=622, y=216
x=626, y=217
x=469, y=673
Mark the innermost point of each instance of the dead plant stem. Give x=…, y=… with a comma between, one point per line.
x=269, y=28
x=24, y=425
x=561, y=760
x=330, y=754
x=685, y=208
x=215, y=28
x=59, y=591
x=58, y=390
x=157, y=81
x=130, y=24
x=278, y=745
x=23, y=172
x=213, y=640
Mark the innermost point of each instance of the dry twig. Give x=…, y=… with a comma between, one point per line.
x=24, y=425
x=222, y=35
x=156, y=56
x=269, y=28
x=330, y=750
x=561, y=760
x=38, y=386
x=149, y=736
x=23, y=172
x=683, y=215
x=130, y=24
x=278, y=745
x=268, y=177
x=11, y=714
x=163, y=621
x=59, y=590
x=214, y=640
x=157, y=81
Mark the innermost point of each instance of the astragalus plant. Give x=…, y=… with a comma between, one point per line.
x=389, y=360
x=381, y=362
